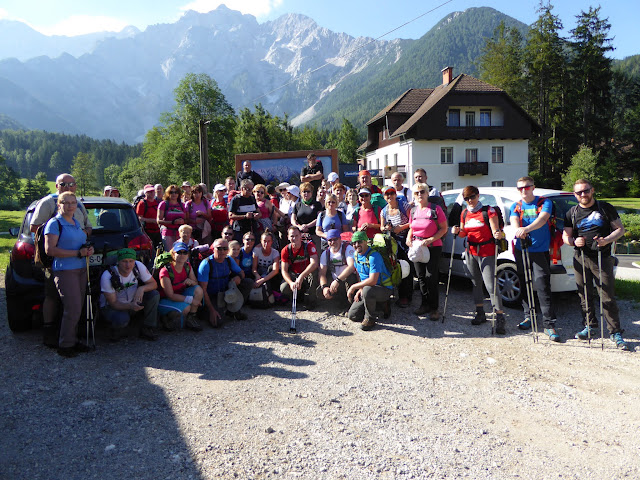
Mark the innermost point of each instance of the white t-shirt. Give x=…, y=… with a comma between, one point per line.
x=336, y=259
x=129, y=283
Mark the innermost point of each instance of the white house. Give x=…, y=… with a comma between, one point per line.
x=463, y=132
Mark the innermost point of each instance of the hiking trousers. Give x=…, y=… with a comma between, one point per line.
x=372, y=297
x=541, y=272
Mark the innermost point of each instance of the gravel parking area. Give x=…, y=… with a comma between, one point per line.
x=411, y=399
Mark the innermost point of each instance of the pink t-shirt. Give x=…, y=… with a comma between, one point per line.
x=171, y=212
x=422, y=225
x=178, y=279
x=193, y=209
x=368, y=216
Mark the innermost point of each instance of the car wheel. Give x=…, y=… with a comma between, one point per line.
x=18, y=316
x=509, y=284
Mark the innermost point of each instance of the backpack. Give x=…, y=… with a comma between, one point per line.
x=137, y=199
x=432, y=207
x=551, y=222
x=387, y=247
x=485, y=215
x=331, y=268
x=211, y=270
x=40, y=258
x=116, y=283
x=305, y=253
x=356, y=213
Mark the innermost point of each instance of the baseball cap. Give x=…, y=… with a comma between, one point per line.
x=333, y=176
x=219, y=187
x=186, y=184
x=148, y=188
x=388, y=188
x=364, y=190
x=180, y=247
x=294, y=190
x=333, y=233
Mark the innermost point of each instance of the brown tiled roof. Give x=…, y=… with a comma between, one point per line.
x=407, y=103
x=467, y=83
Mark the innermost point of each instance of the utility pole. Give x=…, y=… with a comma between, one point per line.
x=204, y=153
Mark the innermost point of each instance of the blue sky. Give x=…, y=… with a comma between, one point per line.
x=354, y=17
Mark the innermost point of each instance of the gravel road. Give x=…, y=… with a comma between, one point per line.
x=411, y=399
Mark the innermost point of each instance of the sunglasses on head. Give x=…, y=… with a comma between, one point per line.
x=67, y=184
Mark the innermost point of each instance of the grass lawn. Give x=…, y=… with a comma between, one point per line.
x=52, y=186
x=620, y=203
x=628, y=289
x=8, y=218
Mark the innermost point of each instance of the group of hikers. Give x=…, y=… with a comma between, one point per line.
x=251, y=243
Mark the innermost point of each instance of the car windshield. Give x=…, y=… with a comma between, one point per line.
x=563, y=203
x=112, y=219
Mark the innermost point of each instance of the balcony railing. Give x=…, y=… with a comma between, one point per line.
x=476, y=132
x=473, y=168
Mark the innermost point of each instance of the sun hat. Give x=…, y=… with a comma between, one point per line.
x=233, y=298
x=294, y=190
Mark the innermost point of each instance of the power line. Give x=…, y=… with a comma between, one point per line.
x=350, y=52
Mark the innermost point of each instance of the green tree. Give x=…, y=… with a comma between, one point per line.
x=501, y=63
x=347, y=142
x=584, y=164
x=83, y=170
x=259, y=131
x=9, y=183
x=40, y=184
x=592, y=75
x=112, y=175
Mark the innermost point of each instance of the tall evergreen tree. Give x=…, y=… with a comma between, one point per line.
x=592, y=75
x=84, y=171
x=347, y=142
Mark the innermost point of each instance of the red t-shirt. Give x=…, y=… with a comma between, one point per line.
x=300, y=261
x=369, y=216
x=148, y=209
x=178, y=279
x=219, y=216
x=478, y=232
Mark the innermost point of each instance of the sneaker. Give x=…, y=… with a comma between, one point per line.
x=586, y=333
x=480, y=317
x=619, y=341
x=500, y=324
x=148, y=333
x=368, y=324
x=552, y=334
x=191, y=322
x=170, y=321
x=525, y=324
x=423, y=309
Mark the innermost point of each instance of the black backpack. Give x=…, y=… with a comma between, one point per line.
x=330, y=266
x=40, y=258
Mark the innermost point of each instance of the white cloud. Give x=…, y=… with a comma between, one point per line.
x=258, y=8
x=82, y=24
x=3, y=13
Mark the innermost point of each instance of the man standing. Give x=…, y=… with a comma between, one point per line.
x=129, y=288
x=592, y=226
x=147, y=211
x=402, y=191
x=159, y=189
x=47, y=208
x=336, y=268
x=247, y=174
x=313, y=173
x=243, y=211
x=364, y=177
x=420, y=176
x=299, y=265
x=530, y=217
x=368, y=293
x=214, y=275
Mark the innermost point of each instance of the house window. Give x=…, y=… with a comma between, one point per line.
x=446, y=186
x=470, y=119
x=497, y=154
x=454, y=118
x=395, y=159
x=446, y=155
x=384, y=133
x=471, y=155
x=386, y=161
x=497, y=183
x=485, y=118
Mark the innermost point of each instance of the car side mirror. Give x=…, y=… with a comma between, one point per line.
x=14, y=231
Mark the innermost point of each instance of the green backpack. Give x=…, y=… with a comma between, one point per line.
x=387, y=247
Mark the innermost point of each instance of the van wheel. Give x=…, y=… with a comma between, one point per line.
x=18, y=315
x=509, y=284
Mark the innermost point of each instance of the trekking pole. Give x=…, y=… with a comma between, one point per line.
x=586, y=296
x=495, y=290
x=90, y=318
x=294, y=306
x=600, y=295
x=446, y=297
x=528, y=280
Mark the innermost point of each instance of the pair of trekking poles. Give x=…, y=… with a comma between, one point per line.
x=594, y=246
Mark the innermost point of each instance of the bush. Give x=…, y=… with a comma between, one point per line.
x=631, y=222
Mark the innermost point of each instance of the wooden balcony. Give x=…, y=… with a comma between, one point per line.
x=479, y=133
x=473, y=168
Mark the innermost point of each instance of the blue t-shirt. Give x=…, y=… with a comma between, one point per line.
x=327, y=223
x=374, y=264
x=540, y=238
x=217, y=274
x=72, y=238
x=246, y=263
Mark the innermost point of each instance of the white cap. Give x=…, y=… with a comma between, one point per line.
x=219, y=187
x=294, y=190
x=283, y=185
x=333, y=176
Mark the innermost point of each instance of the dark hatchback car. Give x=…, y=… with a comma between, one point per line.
x=115, y=225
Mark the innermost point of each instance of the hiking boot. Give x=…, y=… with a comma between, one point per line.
x=403, y=303
x=552, y=334
x=423, y=309
x=191, y=322
x=525, y=324
x=82, y=348
x=237, y=315
x=67, y=352
x=586, y=333
x=368, y=324
x=500, y=324
x=386, y=309
x=480, y=317
x=619, y=341
x=117, y=334
x=50, y=335
x=148, y=333
x=170, y=321
x=435, y=316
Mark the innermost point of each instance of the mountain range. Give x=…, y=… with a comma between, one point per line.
x=116, y=85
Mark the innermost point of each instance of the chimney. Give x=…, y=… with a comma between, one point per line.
x=447, y=75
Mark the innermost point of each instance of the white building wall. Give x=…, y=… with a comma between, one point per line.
x=426, y=154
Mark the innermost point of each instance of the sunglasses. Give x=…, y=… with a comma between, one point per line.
x=526, y=187
x=331, y=201
x=250, y=239
x=307, y=191
x=183, y=252
x=472, y=197
x=173, y=192
x=67, y=184
x=582, y=192
x=420, y=192
x=222, y=248
x=259, y=191
x=228, y=234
